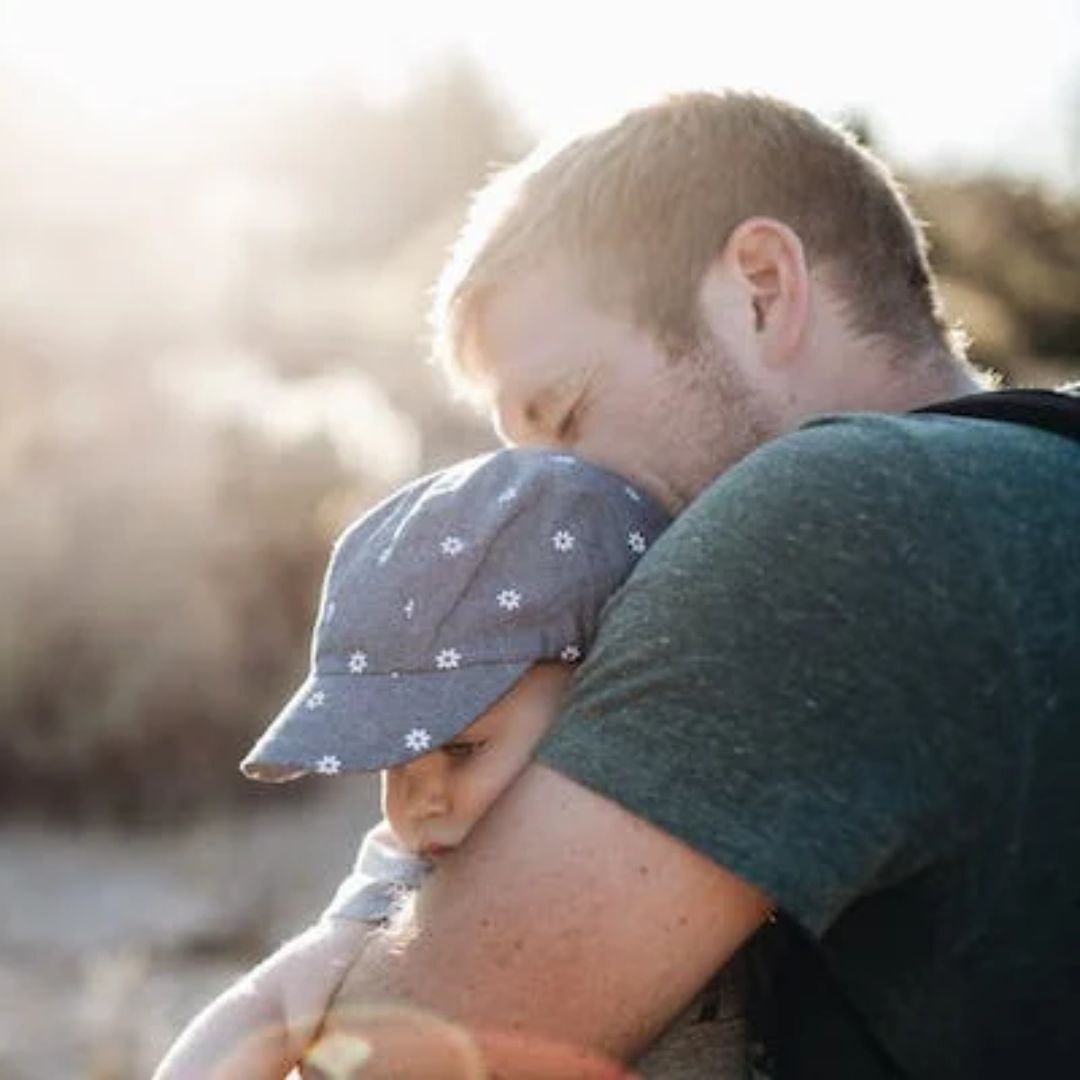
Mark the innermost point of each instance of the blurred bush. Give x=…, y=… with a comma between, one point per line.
x=211, y=358
x=157, y=575
x=1008, y=255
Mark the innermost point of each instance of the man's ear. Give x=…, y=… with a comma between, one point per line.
x=766, y=261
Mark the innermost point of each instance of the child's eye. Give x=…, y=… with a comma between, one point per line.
x=462, y=750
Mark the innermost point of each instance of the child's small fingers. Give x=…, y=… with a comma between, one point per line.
x=336, y=1057
x=393, y=1043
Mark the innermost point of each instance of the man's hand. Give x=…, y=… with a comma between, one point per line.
x=562, y=916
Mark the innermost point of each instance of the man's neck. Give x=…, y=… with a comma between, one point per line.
x=926, y=383
x=863, y=383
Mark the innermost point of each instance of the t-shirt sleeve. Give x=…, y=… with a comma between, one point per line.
x=771, y=686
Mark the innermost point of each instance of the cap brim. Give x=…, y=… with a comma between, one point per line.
x=359, y=723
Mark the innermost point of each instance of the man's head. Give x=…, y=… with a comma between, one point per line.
x=707, y=272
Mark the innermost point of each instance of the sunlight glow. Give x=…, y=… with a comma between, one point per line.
x=942, y=83
x=349, y=409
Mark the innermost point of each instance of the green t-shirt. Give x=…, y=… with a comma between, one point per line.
x=850, y=674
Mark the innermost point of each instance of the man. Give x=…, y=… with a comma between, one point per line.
x=843, y=686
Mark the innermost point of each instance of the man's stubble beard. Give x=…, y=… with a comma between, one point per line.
x=733, y=417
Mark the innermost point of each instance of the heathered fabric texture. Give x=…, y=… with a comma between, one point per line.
x=850, y=673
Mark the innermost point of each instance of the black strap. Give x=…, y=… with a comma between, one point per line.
x=1052, y=410
x=797, y=1006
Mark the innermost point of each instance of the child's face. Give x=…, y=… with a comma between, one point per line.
x=434, y=801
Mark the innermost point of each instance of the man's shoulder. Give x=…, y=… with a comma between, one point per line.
x=881, y=439
x=857, y=502
x=826, y=476
x=826, y=454
x=878, y=464
x=874, y=441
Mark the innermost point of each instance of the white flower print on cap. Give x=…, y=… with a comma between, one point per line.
x=447, y=659
x=509, y=599
x=418, y=740
x=563, y=540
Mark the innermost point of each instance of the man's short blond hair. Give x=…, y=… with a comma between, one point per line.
x=641, y=208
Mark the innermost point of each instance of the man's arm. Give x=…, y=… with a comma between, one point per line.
x=563, y=916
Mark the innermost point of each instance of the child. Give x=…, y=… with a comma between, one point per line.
x=451, y=617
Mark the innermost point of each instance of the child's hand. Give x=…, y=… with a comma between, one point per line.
x=382, y=879
x=307, y=973
x=382, y=833
x=261, y=1026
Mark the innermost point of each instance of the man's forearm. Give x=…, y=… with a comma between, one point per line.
x=563, y=916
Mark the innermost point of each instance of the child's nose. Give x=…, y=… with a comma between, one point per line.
x=427, y=790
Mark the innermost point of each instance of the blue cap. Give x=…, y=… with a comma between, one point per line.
x=441, y=598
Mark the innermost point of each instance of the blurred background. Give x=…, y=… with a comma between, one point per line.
x=219, y=225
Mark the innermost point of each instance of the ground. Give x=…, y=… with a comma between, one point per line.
x=110, y=941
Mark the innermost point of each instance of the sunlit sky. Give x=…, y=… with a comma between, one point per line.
x=968, y=83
